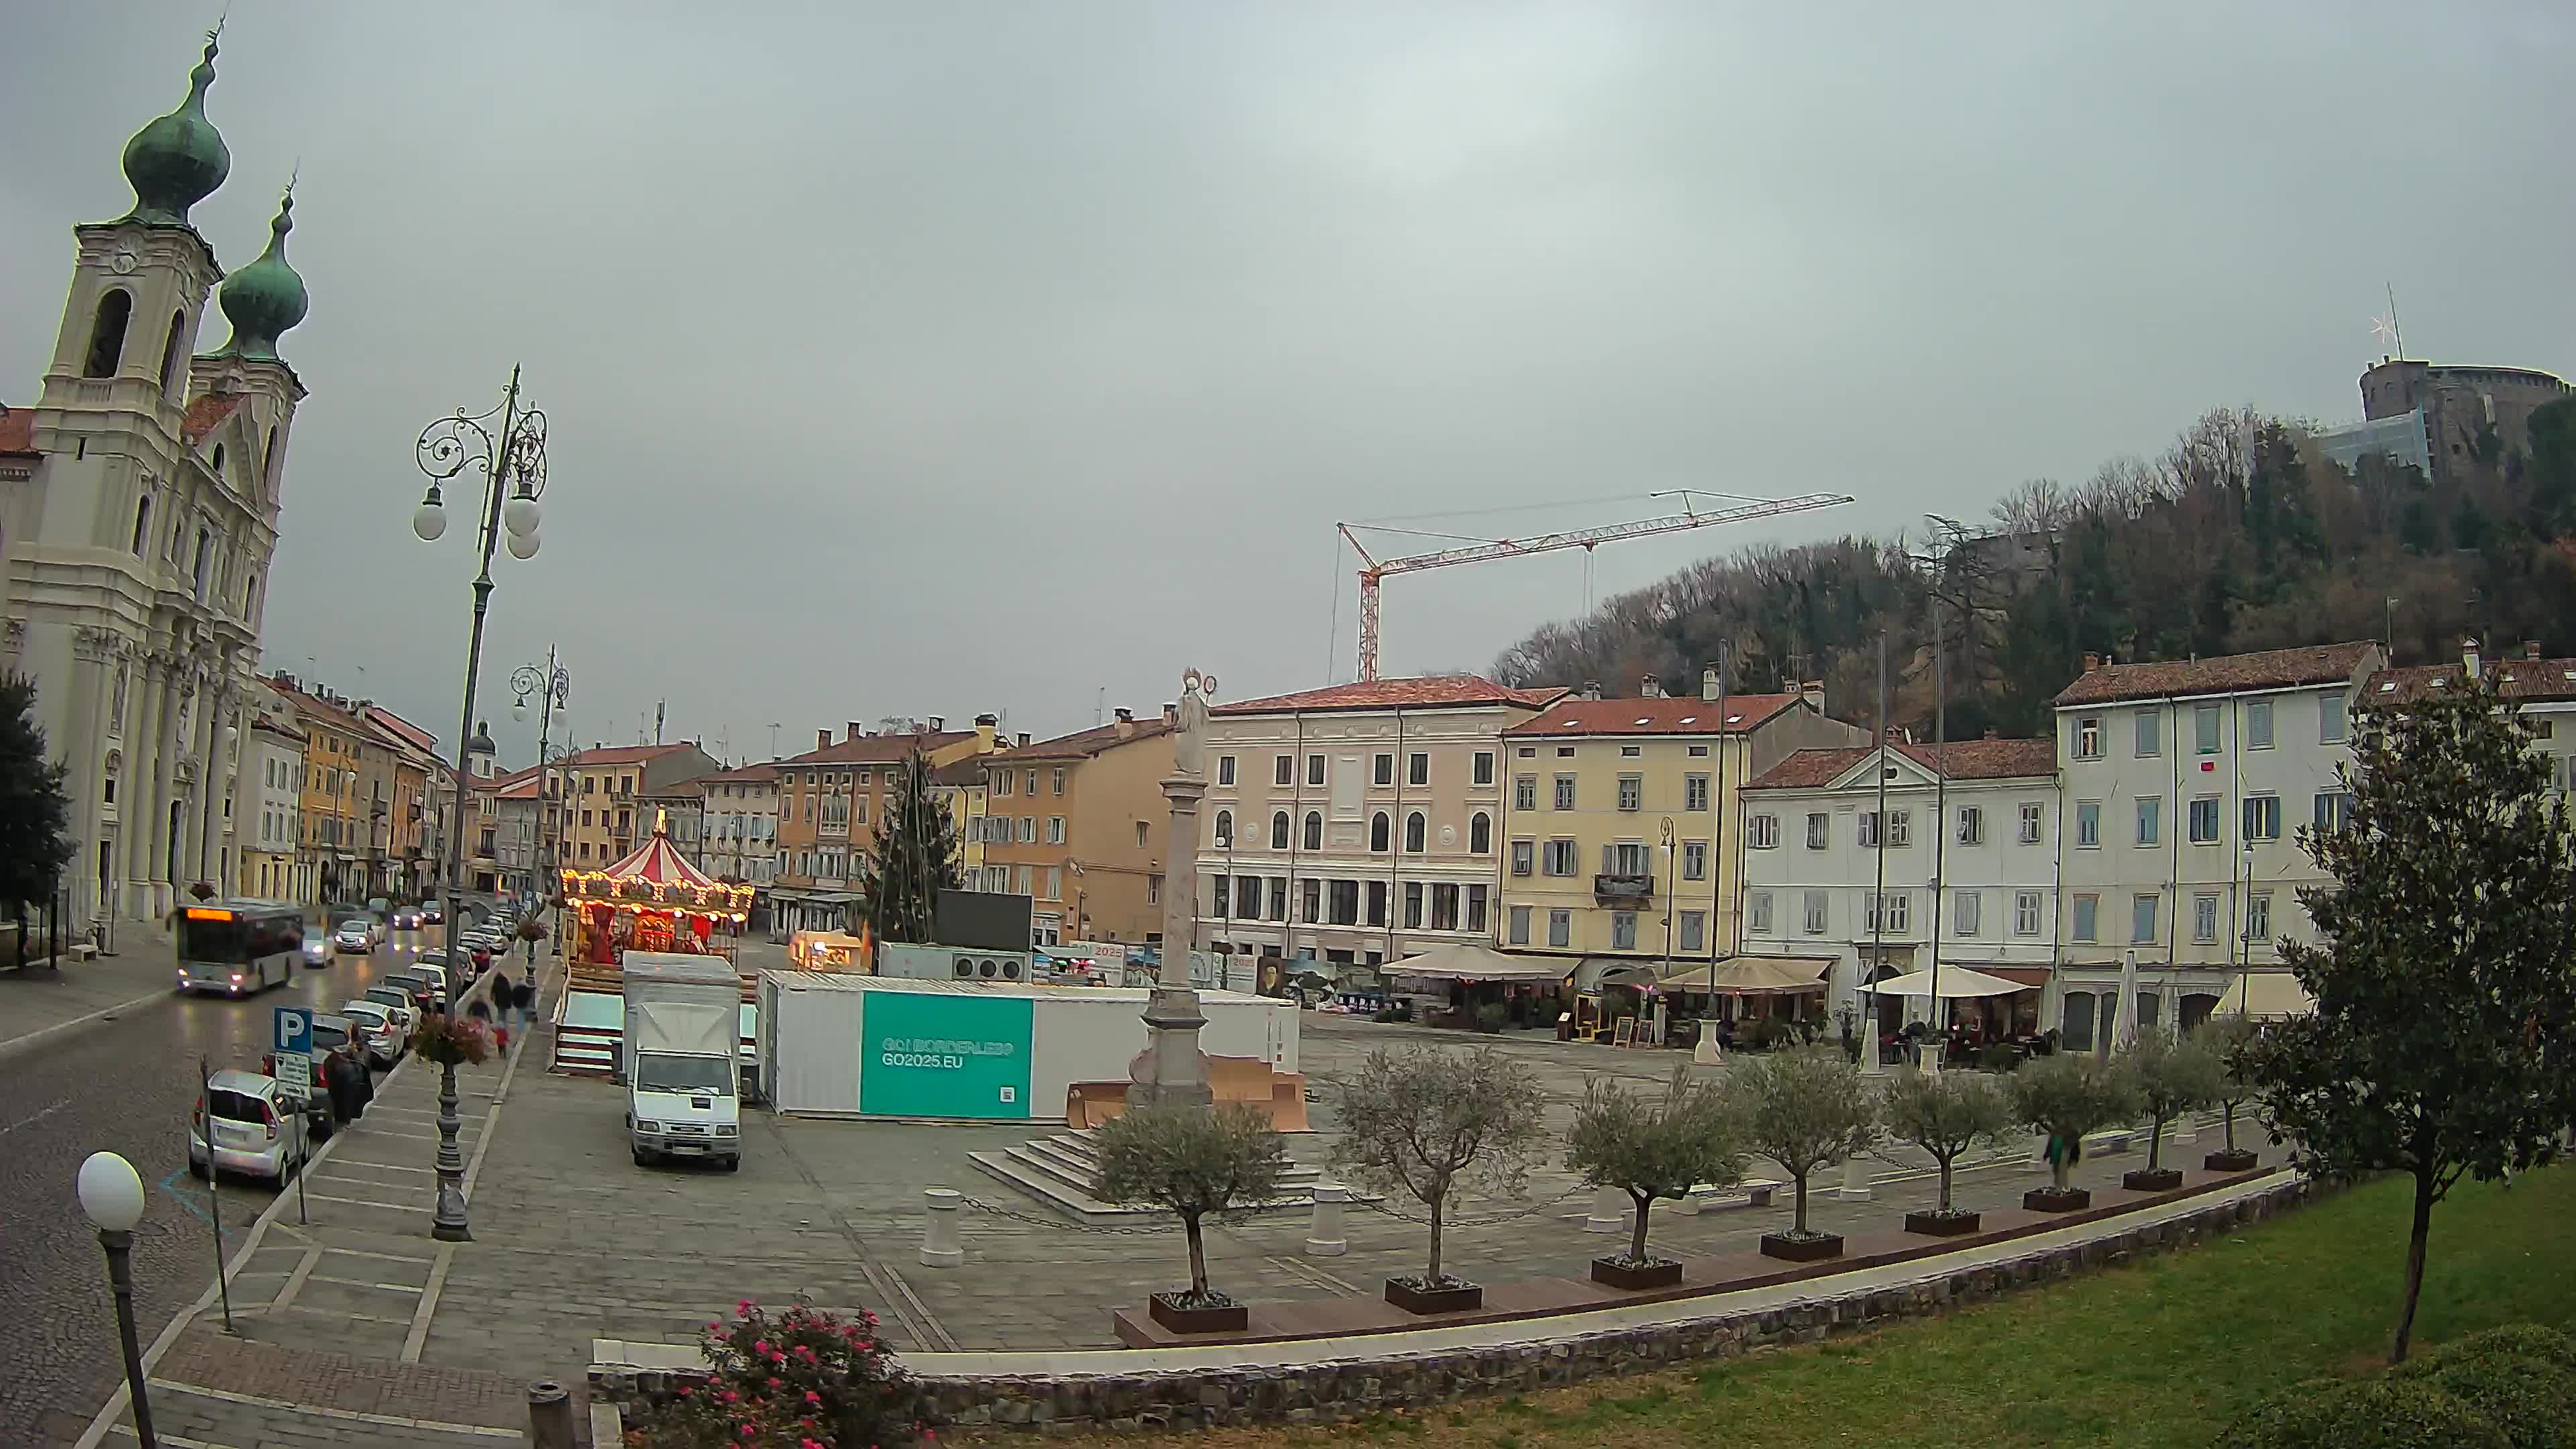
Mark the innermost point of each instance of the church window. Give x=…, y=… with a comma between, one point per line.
x=219, y=462
x=142, y=522
x=107, y=334
x=170, y=351
x=268, y=457
x=205, y=554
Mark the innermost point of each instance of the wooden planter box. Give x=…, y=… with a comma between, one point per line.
x=2161, y=1179
x=1661, y=1273
x=1232, y=1318
x=2050, y=1200
x=2239, y=1160
x=1802, y=1250
x=1941, y=1225
x=1460, y=1299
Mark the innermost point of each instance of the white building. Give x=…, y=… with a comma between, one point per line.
x=269, y=814
x=2185, y=783
x=741, y=820
x=139, y=504
x=1967, y=855
x=1290, y=859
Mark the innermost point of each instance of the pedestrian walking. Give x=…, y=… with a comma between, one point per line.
x=525, y=994
x=504, y=1000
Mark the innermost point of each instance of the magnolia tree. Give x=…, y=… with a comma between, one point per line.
x=1805, y=1110
x=1655, y=1148
x=1192, y=1161
x=2065, y=1096
x=1426, y=1122
x=2443, y=1043
x=1947, y=1114
x=2172, y=1076
x=2231, y=1040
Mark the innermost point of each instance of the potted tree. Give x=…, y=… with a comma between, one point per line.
x=2172, y=1077
x=2231, y=1039
x=1192, y=1161
x=1426, y=1122
x=1946, y=1115
x=1651, y=1150
x=2063, y=1097
x=1805, y=1110
x=203, y=890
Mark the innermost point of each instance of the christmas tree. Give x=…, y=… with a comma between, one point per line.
x=913, y=859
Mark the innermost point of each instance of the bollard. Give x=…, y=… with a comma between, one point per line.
x=2186, y=1128
x=549, y=1415
x=940, y=1246
x=1855, y=1186
x=1610, y=1209
x=1324, y=1237
x=1931, y=1056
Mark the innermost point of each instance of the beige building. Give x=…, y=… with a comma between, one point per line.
x=739, y=840
x=832, y=798
x=1356, y=824
x=1078, y=825
x=603, y=818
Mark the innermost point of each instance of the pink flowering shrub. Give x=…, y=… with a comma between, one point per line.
x=799, y=1378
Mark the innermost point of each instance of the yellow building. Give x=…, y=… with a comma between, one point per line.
x=959, y=788
x=1618, y=816
x=331, y=839
x=1077, y=824
x=603, y=819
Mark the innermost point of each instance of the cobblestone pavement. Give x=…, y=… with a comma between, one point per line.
x=126, y=1086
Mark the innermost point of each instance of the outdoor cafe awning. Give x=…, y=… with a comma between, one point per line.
x=1477, y=963
x=1751, y=976
x=1956, y=982
x=2265, y=995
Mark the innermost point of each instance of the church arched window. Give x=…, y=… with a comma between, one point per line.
x=219, y=462
x=170, y=351
x=107, y=333
x=142, y=522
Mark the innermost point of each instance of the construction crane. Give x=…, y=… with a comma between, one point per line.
x=1376, y=569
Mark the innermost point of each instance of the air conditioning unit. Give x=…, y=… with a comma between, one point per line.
x=951, y=963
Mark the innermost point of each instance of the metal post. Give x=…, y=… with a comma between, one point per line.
x=1940, y=822
x=214, y=1191
x=120, y=1279
x=549, y=1415
x=1878, y=916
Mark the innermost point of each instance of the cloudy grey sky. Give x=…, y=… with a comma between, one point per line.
x=930, y=359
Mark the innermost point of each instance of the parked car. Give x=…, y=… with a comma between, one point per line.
x=353, y=937
x=406, y=918
x=374, y=1024
x=399, y=1004
x=317, y=945
x=243, y=1123
x=426, y=992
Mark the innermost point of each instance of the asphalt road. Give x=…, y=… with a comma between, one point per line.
x=127, y=1086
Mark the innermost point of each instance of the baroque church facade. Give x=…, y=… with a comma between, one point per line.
x=139, y=507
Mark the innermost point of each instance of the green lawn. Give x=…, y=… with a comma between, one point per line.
x=2160, y=1354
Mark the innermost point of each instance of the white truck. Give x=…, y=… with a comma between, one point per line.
x=680, y=1058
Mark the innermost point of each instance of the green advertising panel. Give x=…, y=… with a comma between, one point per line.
x=938, y=1054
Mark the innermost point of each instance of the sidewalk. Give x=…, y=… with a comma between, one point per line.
x=40, y=1002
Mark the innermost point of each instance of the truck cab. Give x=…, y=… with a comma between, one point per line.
x=680, y=1059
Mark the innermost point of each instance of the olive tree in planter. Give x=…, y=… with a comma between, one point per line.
x=2231, y=1039
x=1649, y=1150
x=1806, y=1110
x=1425, y=1123
x=2172, y=1077
x=1946, y=1114
x=1193, y=1161
x=2063, y=1097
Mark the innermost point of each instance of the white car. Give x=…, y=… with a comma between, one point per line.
x=244, y=1124
x=398, y=1005
x=374, y=1024
x=353, y=937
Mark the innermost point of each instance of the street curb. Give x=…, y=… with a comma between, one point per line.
x=20, y=1045
x=104, y=1422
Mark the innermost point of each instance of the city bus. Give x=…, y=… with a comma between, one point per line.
x=239, y=947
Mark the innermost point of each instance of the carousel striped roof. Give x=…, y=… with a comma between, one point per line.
x=656, y=862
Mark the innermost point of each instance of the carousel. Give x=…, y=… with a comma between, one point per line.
x=653, y=900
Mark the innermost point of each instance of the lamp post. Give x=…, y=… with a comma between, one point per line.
x=111, y=1195
x=513, y=463
x=553, y=686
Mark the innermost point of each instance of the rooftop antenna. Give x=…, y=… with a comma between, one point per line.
x=1100, y=707
x=659, y=707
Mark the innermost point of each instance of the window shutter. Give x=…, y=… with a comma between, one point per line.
x=1609, y=860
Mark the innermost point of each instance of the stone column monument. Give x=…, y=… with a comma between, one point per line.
x=1171, y=1071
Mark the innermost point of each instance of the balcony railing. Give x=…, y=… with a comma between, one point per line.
x=1623, y=887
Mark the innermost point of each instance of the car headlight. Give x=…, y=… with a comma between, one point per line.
x=725, y=1132
x=648, y=1126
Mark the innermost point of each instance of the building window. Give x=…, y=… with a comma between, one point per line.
x=2151, y=811
x=1630, y=752
x=1476, y=897
x=1247, y=897
x=1480, y=833
x=2087, y=924
x=2088, y=738
x=2030, y=819
x=1757, y=912
x=1560, y=857
x=1058, y=780
x=2204, y=820
x=1966, y=908
x=1632, y=792
x=2334, y=810
x=2204, y=729
x=2150, y=733
x=1028, y=830
x=1346, y=903
x=1444, y=906
x=2025, y=913
x=107, y=333
x=1153, y=890
x=1565, y=792
x=1762, y=832
x=2204, y=918
x=2258, y=917
x=1900, y=827
x=1694, y=860
x=1518, y=929
x=1225, y=769
x=1560, y=928
x=1890, y=912
x=1525, y=792
x=2331, y=724
x=1869, y=832
x=1379, y=829
x=1314, y=769
x=1222, y=898
x=1484, y=768
x=1055, y=830
x=1279, y=830
x=1377, y=903
x=1224, y=828
x=1382, y=769
x=1311, y=900
x=1819, y=830
x=1279, y=898
x=2258, y=724
x=142, y=523
x=1623, y=930
x=1414, y=830
x=1417, y=769
x=1284, y=770
x=1694, y=792
x=2262, y=817
x=1972, y=825
x=1002, y=782
x=2088, y=823
x=1413, y=905
x=1816, y=908
x=1524, y=856
x=1314, y=830
x=2142, y=919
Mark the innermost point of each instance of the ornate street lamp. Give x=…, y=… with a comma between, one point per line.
x=111, y=1196
x=511, y=454
x=553, y=686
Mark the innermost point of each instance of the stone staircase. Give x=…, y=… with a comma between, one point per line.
x=1063, y=1171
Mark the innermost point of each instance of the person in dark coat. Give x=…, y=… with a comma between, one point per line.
x=342, y=1076
x=525, y=995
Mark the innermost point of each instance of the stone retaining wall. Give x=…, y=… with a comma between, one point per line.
x=1348, y=1387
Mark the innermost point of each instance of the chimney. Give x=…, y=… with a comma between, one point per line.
x=1708, y=683
x=2530, y=648
x=855, y=731
x=1023, y=739
x=987, y=727
x=2469, y=657
x=1126, y=723
x=1992, y=734
x=2092, y=661
x=822, y=739
x=1592, y=689
x=939, y=724
x=1172, y=714
x=1649, y=687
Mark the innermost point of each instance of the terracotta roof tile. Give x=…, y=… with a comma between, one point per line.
x=18, y=430
x=207, y=413
x=760, y=774
x=961, y=773
x=1966, y=760
x=2225, y=674
x=622, y=754
x=1083, y=744
x=2513, y=678
x=1426, y=692
x=878, y=749
x=1671, y=716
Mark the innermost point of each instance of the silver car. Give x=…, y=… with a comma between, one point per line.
x=246, y=1124
x=374, y=1022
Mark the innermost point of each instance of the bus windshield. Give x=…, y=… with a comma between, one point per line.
x=238, y=938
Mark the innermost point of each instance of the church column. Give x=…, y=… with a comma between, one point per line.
x=135, y=800
x=94, y=678
x=211, y=783
x=177, y=706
